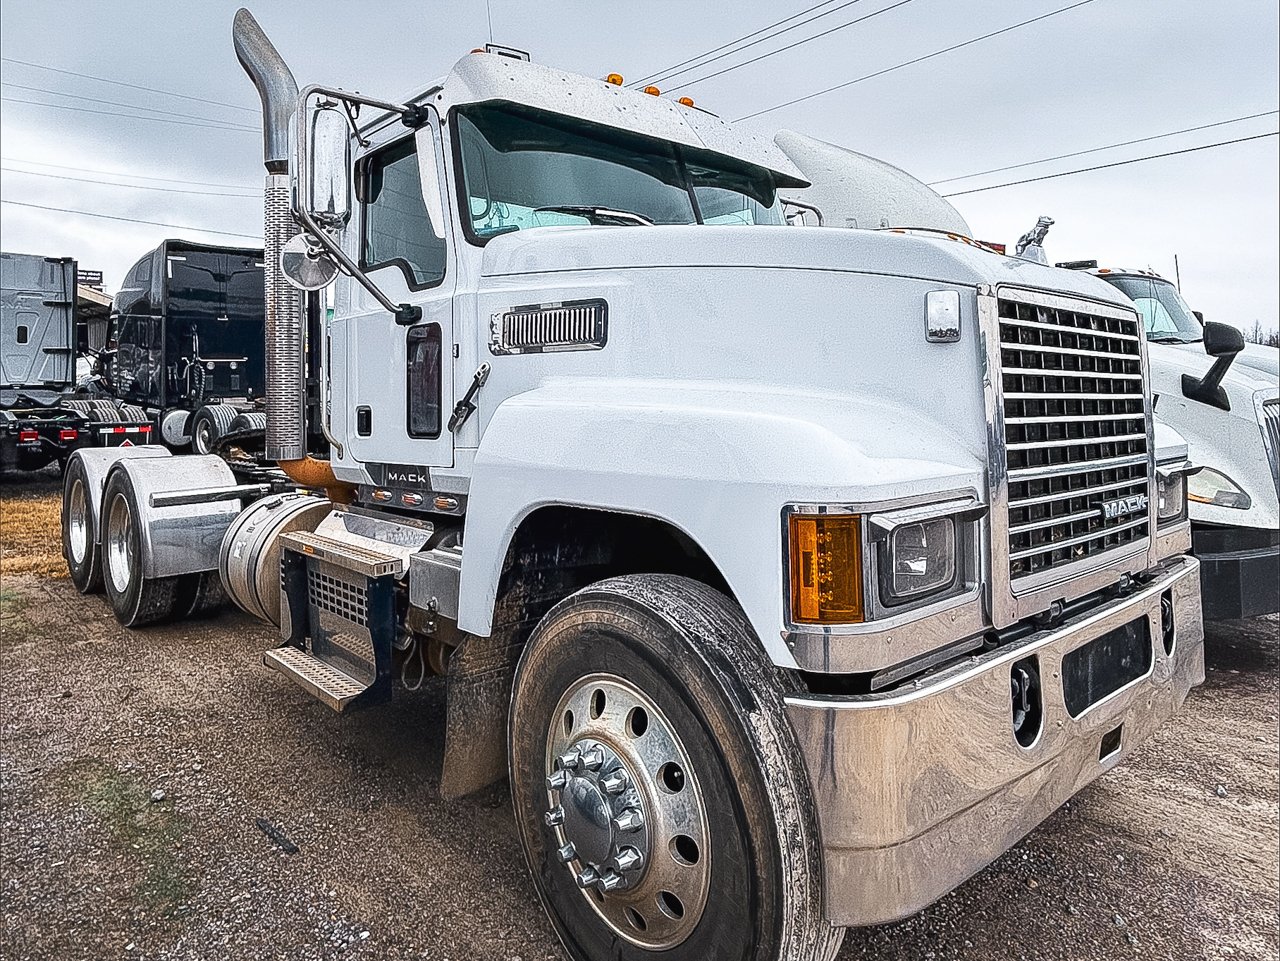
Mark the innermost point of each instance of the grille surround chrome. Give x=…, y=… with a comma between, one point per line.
x=1124, y=440
x=1269, y=423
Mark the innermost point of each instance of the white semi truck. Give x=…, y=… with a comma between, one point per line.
x=790, y=575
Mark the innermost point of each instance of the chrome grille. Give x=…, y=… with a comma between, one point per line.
x=1271, y=436
x=1075, y=422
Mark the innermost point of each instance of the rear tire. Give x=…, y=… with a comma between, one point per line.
x=80, y=545
x=136, y=600
x=132, y=414
x=208, y=424
x=199, y=595
x=715, y=765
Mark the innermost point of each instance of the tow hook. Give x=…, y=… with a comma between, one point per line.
x=1028, y=709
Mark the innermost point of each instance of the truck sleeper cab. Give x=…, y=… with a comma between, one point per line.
x=773, y=629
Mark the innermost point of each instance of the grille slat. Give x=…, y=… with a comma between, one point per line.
x=1271, y=436
x=1075, y=422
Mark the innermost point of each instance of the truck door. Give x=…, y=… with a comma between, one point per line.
x=399, y=379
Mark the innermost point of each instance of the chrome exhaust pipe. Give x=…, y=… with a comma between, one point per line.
x=286, y=438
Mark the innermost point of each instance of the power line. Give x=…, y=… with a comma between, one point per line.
x=674, y=70
x=908, y=63
x=1124, y=143
x=129, y=220
x=135, y=86
x=1118, y=163
x=102, y=183
x=120, y=103
x=792, y=46
x=131, y=116
x=117, y=173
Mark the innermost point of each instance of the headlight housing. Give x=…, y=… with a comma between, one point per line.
x=918, y=559
x=1217, y=489
x=1171, y=496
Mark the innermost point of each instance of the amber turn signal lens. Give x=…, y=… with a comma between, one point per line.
x=686, y=101
x=615, y=79
x=826, y=568
x=652, y=91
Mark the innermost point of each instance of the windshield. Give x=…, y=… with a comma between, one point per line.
x=1165, y=315
x=523, y=168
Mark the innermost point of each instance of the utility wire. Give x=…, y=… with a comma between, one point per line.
x=131, y=116
x=791, y=46
x=103, y=183
x=121, y=103
x=129, y=220
x=1110, y=146
x=674, y=70
x=117, y=173
x=135, y=86
x=1118, y=163
x=921, y=59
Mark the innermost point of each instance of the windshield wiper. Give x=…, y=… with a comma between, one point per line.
x=1172, y=340
x=600, y=216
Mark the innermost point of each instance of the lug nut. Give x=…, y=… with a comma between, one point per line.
x=609, y=881
x=629, y=821
x=616, y=782
x=555, y=817
x=567, y=852
x=593, y=759
x=558, y=781
x=587, y=877
x=628, y=859
x=570, y=760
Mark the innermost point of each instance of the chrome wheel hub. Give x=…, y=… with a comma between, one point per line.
x=625, y=813
x=119, y=540
x=78, y=522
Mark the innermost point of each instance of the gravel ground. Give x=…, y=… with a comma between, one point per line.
x=135, y=766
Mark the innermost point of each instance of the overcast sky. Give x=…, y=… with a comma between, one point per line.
x=1109, y=71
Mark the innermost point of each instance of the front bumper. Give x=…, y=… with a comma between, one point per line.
x=1239, y=570
x=919, y=789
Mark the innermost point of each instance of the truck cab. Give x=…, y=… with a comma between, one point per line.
x=790, y=575
x=1234, y=432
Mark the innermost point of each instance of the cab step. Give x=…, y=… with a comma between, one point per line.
x=320, y=678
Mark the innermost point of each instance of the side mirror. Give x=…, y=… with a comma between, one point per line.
x=1198, y=316
x=1223, y=342
x=328, y=186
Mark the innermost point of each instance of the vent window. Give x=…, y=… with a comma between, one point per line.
x=424, y=380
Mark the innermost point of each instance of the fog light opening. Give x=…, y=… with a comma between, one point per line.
x=1168, y=632
x=1028, y=704
x=1111, y=742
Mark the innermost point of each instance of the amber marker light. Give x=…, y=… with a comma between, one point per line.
x=615, y=79
x=653, y=91
x=685, y=101
x=826, y=568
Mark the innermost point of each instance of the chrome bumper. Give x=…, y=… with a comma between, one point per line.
x=919, y=789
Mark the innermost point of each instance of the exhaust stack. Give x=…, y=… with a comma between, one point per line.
x=286, y=438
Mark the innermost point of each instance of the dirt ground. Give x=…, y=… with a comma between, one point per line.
x=135, y=765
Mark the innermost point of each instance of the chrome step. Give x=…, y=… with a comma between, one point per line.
x=352, y=557
x=320, y=678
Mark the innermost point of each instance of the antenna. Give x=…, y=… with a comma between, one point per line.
x=1177, y=274
x=488, y=13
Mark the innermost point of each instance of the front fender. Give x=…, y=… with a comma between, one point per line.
x=717, y=462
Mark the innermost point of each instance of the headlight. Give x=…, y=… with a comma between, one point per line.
x=1171, y=494
x=1213, y=487
x=918, y=559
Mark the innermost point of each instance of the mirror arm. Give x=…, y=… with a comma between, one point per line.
x=404, y=314
x=1208, y=390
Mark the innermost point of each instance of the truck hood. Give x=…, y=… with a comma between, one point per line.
x=886, y=252
x=1255, y=368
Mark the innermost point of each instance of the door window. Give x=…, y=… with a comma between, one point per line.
x=397, y=227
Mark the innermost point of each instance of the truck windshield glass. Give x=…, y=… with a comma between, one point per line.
x=518, y=164
x=1165, y=315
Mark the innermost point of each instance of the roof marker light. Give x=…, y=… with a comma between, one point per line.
x=653, y=91
x=686, y=101
x=615, y=79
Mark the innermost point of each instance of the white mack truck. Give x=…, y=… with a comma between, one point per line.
x=790, y=575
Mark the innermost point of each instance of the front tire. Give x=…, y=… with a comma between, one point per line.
x=705, y=845
x=135, y=600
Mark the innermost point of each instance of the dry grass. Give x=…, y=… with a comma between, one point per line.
x=31, y=530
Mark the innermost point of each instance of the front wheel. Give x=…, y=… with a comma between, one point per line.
x=657, y=785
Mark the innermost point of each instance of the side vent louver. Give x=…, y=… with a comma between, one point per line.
x=541, y=328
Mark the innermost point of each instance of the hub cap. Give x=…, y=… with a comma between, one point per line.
x=120, y=544
x=78, y=522
x=625, y=813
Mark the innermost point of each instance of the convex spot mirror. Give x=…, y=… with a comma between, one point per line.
x=1222, y=340
x=328, y=185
